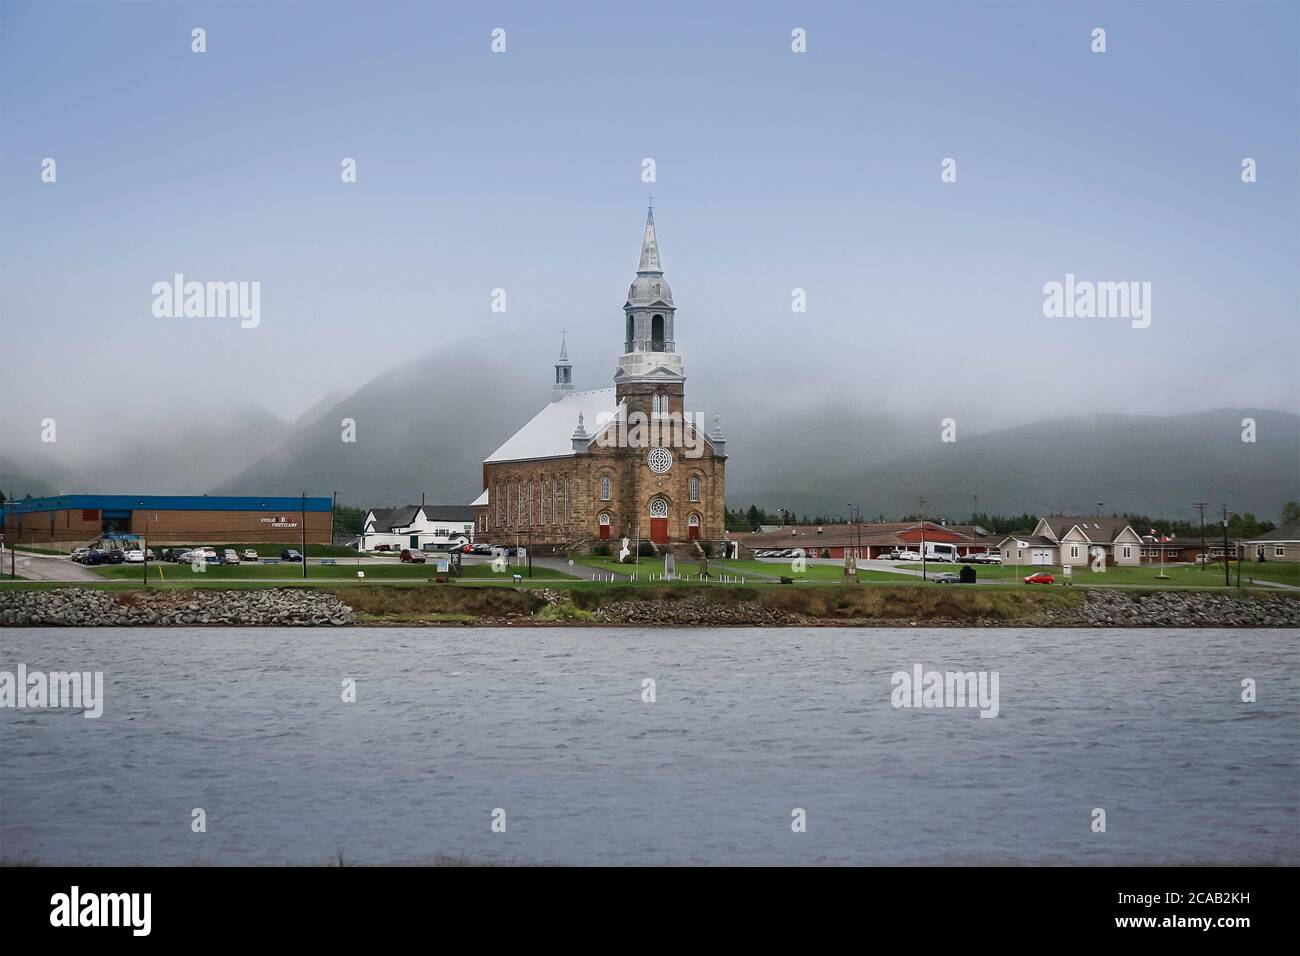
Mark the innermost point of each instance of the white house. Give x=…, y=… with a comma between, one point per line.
x=423, y=527
x=1074, y=540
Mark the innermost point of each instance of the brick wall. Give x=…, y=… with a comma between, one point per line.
x=174, y=527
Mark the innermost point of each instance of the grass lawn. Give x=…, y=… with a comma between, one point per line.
x=649, y=564
x=1280, y=571
x=184, y=573
x=1180, y=575
x=756, y=572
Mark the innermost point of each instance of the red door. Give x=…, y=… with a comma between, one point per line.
x=659, y=530
x=694, y=531
x=604, y=532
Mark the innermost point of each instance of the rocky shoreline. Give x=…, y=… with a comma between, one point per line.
x=83, y=607
x=1103, y=607
x=542, y=607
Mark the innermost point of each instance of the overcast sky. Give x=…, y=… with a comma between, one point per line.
x=523, y=171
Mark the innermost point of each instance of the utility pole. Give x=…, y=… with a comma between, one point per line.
x=920, y=508
x=302, y=521
x=1227, y=582
x=851, y=543
x=1205, y=552
x=975, y=509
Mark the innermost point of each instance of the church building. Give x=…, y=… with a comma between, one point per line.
x=626, y=461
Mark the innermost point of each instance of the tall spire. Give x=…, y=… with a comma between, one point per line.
x=649, y=247
x=563, y=371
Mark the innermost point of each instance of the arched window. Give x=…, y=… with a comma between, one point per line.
x=657, y=334
x=605, y=488
x=660, y=405
x=631, y=332
x=695, y=488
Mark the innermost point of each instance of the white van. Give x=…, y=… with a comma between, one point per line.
x=941, y=552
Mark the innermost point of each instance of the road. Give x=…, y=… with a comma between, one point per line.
x=43, y=567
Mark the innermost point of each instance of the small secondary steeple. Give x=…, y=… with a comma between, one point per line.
x=563, y=371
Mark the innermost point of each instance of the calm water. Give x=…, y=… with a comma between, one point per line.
x=550, y=726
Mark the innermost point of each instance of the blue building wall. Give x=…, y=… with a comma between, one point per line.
x=128, y=503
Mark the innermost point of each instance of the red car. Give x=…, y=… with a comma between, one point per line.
x=1042, y=577
x=412, y=557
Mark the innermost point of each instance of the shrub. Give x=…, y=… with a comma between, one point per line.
x=707, y=548
x=564, y=611
x=646, y=549
x=601, y=549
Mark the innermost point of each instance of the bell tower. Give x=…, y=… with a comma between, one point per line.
x=563, y=371
x=649, y=376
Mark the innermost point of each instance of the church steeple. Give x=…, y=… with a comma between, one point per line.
x=563, y=371
x=649, y=306
x=650, y=368
x=649, y=248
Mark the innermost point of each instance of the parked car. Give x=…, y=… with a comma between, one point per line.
x=908, y=556
x=383, y=547
x=412, y=557
x=1042, y=577
x=947, y=577
x=887, y=556
x=133, y=557
x=968, y=559
x=229, y=556
x=94, y=557
x=249, y=555
x=78, y=552
x=116, y=556
x=991, y=557
x=290, y=554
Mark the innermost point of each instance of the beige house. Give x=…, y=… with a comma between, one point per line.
x=1074, y=540
x=1280, y=544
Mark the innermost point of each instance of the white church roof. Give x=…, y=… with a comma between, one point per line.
x=549, y=433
